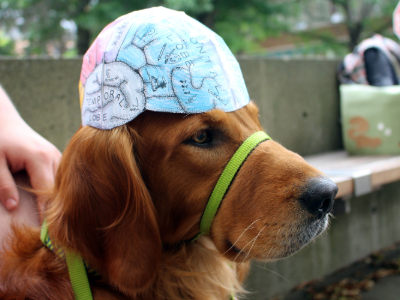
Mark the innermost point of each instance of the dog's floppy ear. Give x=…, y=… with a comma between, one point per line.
x=102, y=208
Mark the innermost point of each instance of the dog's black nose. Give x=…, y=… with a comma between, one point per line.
x=319, y=196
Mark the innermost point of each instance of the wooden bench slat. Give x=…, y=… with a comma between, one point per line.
x=340, y=167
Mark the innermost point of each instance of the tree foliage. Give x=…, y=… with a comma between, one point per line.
x=241, y=23
x=363, y=18
x=360, y=20
x=6, y=44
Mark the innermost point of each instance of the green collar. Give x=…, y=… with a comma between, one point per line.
x=226, y=179
x=76, y=265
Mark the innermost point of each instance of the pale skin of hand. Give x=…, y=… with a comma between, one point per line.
x=21, y=148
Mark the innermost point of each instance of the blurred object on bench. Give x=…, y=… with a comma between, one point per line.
x=375, y=61
x=370, y=119
x=378, y=68
x=370, y=97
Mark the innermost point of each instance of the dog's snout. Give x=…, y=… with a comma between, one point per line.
x=319, y=196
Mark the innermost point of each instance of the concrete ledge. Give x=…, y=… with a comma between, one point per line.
x=346, y=171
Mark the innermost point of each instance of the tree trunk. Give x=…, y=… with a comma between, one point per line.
x=208, y=19
x=354, y=34
x=83, y=40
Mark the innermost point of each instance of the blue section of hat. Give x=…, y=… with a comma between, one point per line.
x=183, y=65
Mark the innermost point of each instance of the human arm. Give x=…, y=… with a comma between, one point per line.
x=21, y=148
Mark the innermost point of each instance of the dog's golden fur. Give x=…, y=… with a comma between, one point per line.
x=129, y=200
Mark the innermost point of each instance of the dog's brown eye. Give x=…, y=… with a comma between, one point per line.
x=201, y=137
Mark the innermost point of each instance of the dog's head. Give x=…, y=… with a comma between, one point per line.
x=122, y=195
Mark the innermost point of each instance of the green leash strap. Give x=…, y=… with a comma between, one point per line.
x=226, y=178
x=78, y=276
x=76, y=267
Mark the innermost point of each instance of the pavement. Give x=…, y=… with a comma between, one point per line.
x=376, y=277
x=387, y=289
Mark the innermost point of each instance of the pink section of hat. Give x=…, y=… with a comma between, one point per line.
x=105, y=47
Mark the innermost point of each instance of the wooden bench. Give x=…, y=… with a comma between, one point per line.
x=357, y=175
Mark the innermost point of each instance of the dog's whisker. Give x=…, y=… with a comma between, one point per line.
x=277, y=234
x=188, y=228
x=273, y=272
x=240, y=252
x=240, y=230
x=255, y=239
x=250, y=242
x=248, y=227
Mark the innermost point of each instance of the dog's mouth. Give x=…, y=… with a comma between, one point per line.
x=232, y=247
x=297, y=240
x=285, y=244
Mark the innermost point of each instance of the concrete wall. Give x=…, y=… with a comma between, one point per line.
x=299, y=107
x=45, y=93
x=298, y=100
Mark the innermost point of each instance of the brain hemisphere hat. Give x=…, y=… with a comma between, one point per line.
x=160, y=60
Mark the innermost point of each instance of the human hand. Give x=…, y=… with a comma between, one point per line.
x=21, y=148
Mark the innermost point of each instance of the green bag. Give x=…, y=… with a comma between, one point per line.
x=370, y=119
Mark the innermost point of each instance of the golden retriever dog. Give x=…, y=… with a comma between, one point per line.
x=130, y=199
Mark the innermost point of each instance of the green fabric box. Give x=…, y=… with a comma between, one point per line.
x=370, y=119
